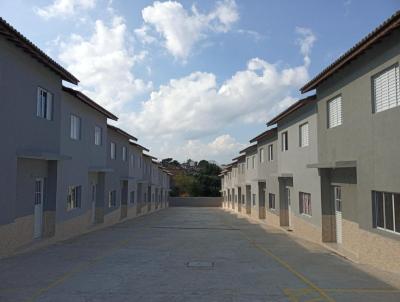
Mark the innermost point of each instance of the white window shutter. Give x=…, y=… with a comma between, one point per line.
x=335, y=112
x=387, y=89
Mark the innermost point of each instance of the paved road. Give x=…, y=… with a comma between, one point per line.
x=186, y=254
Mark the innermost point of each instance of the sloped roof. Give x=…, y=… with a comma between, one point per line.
x=122, y=132
x=139, y=146
x=266, y=134
x=15, y=37
x=85, y=99
x=296, y=106
x=249, y=149
x=359, y=48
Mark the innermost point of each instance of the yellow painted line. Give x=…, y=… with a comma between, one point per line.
x=76, y=270
x=286, y=265
x=363, y=290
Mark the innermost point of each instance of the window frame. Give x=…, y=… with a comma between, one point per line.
x=285, y=141
x=113, y=151
x=271, y=201
x=373, y=77
x=124, y=152
x=301, y=135
x=305, y=210
x=74, y=197
x=270, y=152
x=112, y=202
x=262, y=154
x=375, y=211
x=44, y=112
x=339, y=96
x=98, y=135
x=75, y=127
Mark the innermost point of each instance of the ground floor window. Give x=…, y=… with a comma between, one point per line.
x=271, y=201
x=74, y=197
x=112, y=199
x=305, y=203
x=387, y=211
x=243, y=200
x=132, y=197
x=254, y=199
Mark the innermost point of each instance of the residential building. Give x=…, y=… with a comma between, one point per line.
x=250, y=186
x=358, y=146
x=267, y=182
x=299, y=186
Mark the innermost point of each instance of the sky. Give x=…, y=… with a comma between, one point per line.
x=195, y=79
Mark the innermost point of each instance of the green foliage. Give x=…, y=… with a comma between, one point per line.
x=203, y=181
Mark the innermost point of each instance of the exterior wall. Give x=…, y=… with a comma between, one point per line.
x=116, y=178
x=372, y=139
x=294, y=161
x=85, y=156
x=21, y=75
x=251, y=180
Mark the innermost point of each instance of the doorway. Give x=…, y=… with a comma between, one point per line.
x=337, y=197
x=38, y=210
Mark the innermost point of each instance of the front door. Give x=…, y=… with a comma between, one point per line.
x=337, y=195
x=288, y=202
x=38, y=211
x=93, y=193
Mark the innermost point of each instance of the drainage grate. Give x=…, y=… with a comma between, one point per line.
x=200, y=264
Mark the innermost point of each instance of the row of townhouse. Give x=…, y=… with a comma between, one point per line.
x=64, y=170
x=328, y=167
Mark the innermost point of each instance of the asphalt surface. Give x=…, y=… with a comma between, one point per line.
x=187, y=254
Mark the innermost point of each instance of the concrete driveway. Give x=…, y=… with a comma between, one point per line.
x=187, y=254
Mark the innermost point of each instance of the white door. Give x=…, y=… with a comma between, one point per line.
x=93, y=198
x=337, y=195
x=38, y=211
x=288, y=205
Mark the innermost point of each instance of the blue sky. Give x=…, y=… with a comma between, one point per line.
x=195, y=79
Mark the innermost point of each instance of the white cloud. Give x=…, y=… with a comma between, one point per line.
x=195, y=105
x=306, y=42
x=64, y=8
x=182, y=29
x=221, y=148
x=103, y=62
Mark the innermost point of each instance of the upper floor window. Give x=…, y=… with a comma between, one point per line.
x=75, y=127
x=335, y=112
x=387, y=211
x=97, y=135
x=44, y=105
x=132, y=160
x=248, y=162
x=305, y=203
x=304, y=135
x=253, y=161
x=285, y=142
x=270, y=152
x=123, y=153
x=387, y=89
x=74, y=197
x=112, y=150
x=262, y=155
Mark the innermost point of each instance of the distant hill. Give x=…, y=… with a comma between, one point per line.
x=193, y=178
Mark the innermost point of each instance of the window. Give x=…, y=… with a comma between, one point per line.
x=132, y=160
x=305, y=203
x=253, y=162
x=262, y=155
x=74, y=197
x=112, y=199
x=387, y=211
x=112, y=150
x=270, y=153
x=271, y=201
x=123, y=153
x=75, y=127
x=44, y=104
x=254, y=199
x=97, y=135
x=132, y=197
x=304, y=135
x=335, y=112
x=248, y=162
x=285, y=145
x=386, y=89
